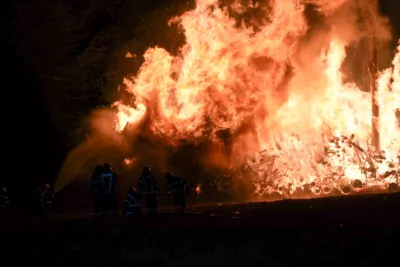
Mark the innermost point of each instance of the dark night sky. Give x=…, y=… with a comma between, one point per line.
x=39, y=151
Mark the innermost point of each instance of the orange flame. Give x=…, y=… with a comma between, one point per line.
x=198, y=189
x=129, y=161
x=316, y=126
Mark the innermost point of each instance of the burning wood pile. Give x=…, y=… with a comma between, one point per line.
x=343, y=167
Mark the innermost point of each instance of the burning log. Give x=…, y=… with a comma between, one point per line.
x=346, y=190
x=387, y=174
x=350, y=142
x=357, y=184
x=327, y=190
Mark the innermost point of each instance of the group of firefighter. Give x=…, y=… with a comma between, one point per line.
x=103, y=187
x=145, y=195
x=44, y=201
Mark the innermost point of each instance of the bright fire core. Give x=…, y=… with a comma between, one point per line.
x=283, y=96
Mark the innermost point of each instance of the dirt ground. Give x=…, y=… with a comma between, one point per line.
x=339, y=231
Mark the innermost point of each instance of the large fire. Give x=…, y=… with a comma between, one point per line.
x=296, y=122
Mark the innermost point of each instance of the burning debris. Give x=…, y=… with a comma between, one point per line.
x=375, y=171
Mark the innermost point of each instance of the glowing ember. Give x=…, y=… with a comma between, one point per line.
x=313, y=128
x=129, y=161
x=198, y=189
x=129, y=55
